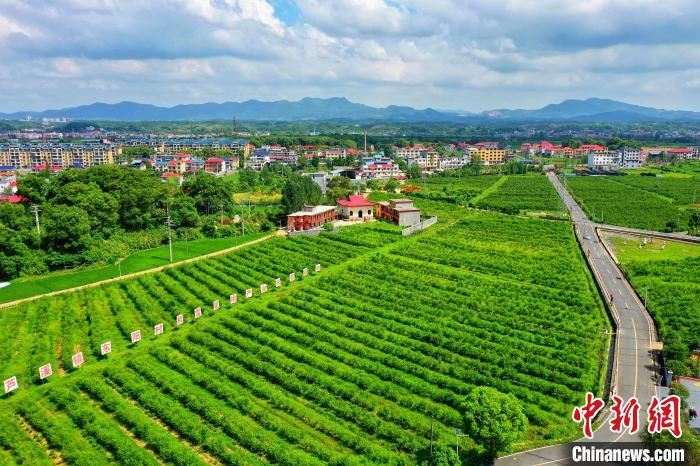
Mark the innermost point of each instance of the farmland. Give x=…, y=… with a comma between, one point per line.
x=634, y=201
x=531, y=193
x=352, y=361
x=141, y=260
x=669, y=274
x=452, y=189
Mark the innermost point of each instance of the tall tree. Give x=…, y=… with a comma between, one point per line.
x=493, y=419
x=298, y=191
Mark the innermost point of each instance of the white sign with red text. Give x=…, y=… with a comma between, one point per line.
x=158, y=329
x=136, y=336
x=11, y=384
x=249, y=293
x=292, y=277
x=263, y=288
x=233, y=298
x=78, y=359
x=216, y=305
x=197, y=312
x=305, y=272
x=106, y=348
x=179, y=320
x=45, y=371
x=278, y=282
x=318, y=267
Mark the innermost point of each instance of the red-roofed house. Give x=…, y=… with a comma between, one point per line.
x=13, y=199
x=355, y=207
x=215, y=166
x=682, y=154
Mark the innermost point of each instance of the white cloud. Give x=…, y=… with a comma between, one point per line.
x=441, y=53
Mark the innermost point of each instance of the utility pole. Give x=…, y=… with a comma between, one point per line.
x=36, y=210
x=222, y=214
x=646, y=291
x=169, y=223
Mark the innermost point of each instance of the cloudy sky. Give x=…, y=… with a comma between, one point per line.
x=451, y=54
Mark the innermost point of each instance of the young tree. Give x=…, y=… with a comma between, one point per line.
x=443, y=455
x=339, y=188
x=391, y=185
x=493, y=419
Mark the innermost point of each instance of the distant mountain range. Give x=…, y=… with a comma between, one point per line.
x=341, y=109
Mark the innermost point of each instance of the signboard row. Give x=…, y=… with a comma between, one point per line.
x=78, y=359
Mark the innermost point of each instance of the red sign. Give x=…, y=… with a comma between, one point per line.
x=197, y=312
x=106, y=348
x=305, y=272
x=587, y=413
x=278, y=282
x=665, y=415
x=249, y=293
x=292, y=277
x=318, y=267
x=216, y=305
x=263, y=288
x=233, y=298
x=136, y=336
x=45, y=371
x=11, y=384
x=158, y=329
x=179, y=320
x=78, y=359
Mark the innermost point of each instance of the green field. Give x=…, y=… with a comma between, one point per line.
x=346, y=366
x=137, y=262
x=668, y=274
x=634, y=201
x=521, y=193
x=452, y=189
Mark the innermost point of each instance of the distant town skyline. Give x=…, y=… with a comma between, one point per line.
x=444, y=54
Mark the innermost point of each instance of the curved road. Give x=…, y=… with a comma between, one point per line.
x=633, y=366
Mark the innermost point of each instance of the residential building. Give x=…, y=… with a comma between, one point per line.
x=355, y=208
x=311, y=217
x=215, y=166
x=604, y=160
x=681, y=154
x=453, y=163
x=380, y=171
x=64, y=155
x=630, y=157
x=491, y=156
x=399, y=211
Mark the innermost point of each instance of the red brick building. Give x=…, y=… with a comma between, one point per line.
x=311, y=217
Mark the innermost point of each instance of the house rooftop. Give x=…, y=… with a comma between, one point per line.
x=312, y=210
x=355, y=200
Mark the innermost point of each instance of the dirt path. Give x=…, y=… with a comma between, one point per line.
x=142, y=272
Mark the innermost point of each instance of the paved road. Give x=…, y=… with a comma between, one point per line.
x=633, y=373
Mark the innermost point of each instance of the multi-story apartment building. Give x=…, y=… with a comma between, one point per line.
x=29, y=156
x=604, y=160
x=453, y=163
x=491, y=156
x=380, y=171
x=630, y=157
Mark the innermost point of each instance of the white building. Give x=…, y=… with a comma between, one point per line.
x=604, y=160
x=380, y=171
x=453, y=163
x=630, y=157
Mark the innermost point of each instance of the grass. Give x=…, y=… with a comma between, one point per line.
x=137, y=262
x=632, y=248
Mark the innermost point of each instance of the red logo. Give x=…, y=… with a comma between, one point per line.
x=625, y=416
x=587, y=413
x=665, y=415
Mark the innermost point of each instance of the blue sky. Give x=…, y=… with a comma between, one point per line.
x=460, y=54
